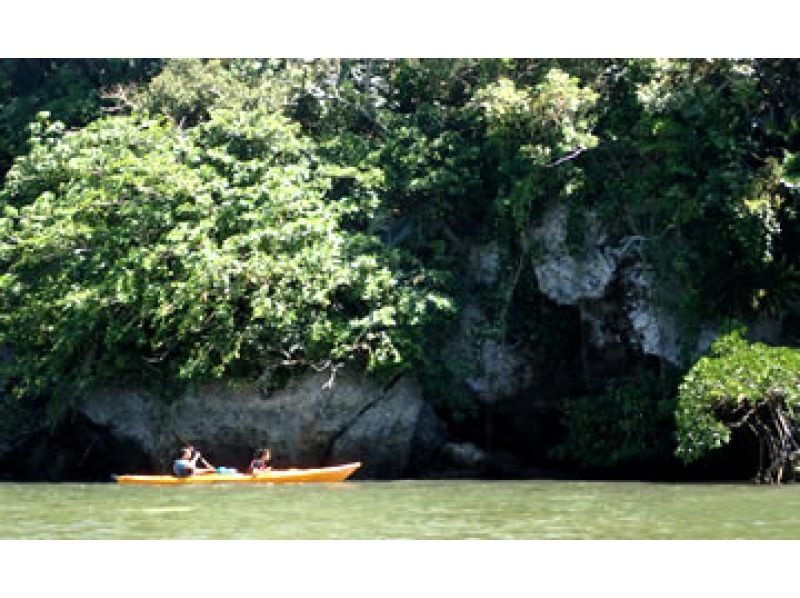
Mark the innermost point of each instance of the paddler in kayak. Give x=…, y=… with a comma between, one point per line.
x=260, y=461
x=186, y=465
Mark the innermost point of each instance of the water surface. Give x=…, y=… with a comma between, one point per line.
x=531, y=510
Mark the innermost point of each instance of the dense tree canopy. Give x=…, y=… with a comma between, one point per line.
x=131, y=244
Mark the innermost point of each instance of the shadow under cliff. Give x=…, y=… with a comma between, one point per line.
x=75, y=451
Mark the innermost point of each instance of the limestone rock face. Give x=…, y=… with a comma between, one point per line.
x=305, y=424
x=656, y=331
x=465, y=454
x=498, y=370
x=131, y=415
x=399, y=435
x=609, y=285
x=567, y=279
x=484, y=263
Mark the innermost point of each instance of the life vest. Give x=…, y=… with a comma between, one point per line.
x=257, y=465
x=182, y=468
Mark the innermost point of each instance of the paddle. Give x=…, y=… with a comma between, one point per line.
x=214, y=469
x=206, y=463
x=203, y=460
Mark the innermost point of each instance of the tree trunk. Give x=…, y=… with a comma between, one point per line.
x=777, y=442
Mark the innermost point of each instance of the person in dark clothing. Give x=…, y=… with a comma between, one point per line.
x=261, y=461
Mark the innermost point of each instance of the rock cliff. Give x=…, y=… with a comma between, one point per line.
x=392, y=431
x=610, y=285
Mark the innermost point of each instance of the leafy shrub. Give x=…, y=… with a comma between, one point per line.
x=629, y=424
x=742, y=384
x=131, y=247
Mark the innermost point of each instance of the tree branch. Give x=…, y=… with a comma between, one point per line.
x=568, y=157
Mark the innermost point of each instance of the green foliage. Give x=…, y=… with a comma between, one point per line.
x=144, y=250
x=630, y=424
x=549, y=121
x=71, y=90
x=686, y=163
x=530, y=131
x=723, y=389
x=187, y=90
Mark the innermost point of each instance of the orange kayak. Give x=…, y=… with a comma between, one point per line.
x=338, y=473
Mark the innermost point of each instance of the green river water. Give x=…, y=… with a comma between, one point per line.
x=531, y=510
